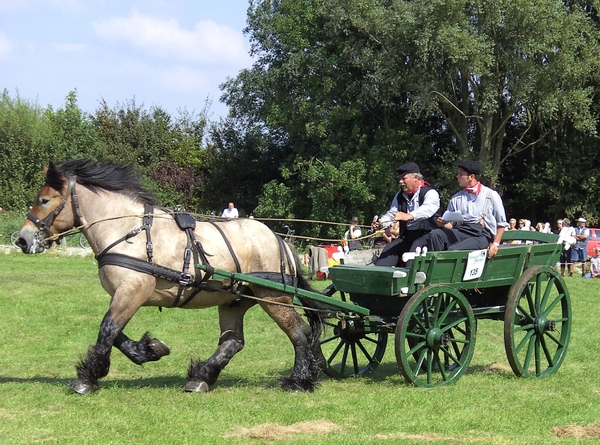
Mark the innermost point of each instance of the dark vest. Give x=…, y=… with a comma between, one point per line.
x=403, y=207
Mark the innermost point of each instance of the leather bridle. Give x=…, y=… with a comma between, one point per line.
x=43, y=225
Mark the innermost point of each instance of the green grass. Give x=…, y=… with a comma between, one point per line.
x=52, y=306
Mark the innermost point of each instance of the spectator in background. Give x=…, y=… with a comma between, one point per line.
x=566, y=235
x=595, y=264
x=512, y=224
x=579, y=250
x=353, y=234
x=559, y=226
x=230, y=212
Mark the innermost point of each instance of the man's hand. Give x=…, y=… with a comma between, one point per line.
x=492, y=250
x=401, y=216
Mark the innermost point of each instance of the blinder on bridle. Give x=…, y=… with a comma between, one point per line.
x=43, y=225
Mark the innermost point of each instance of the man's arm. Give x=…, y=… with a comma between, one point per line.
x=388, y=218
x=430, y=205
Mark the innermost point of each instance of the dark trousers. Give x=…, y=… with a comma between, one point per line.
x=465, y=237
x=391, y=255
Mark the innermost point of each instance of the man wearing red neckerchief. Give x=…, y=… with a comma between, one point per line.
x=482, y=211
x=414, y=206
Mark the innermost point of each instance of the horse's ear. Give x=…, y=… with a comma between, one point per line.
x=45, y=169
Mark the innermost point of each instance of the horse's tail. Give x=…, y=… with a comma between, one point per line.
x=315, y=312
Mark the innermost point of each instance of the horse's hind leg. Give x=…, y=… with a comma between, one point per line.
x=203, y=374
x=306, y=365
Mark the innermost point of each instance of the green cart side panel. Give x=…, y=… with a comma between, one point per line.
x=447, y=268
x=373, y=280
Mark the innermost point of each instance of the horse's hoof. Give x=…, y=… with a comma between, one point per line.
x=83, y=387
x=159, y=347
x=196, y=386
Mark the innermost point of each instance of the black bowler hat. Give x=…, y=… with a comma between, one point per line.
x=471, y=167
x=409, y=167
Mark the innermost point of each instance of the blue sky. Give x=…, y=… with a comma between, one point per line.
x=168, y=53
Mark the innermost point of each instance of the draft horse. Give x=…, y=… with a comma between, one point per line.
x=147, y=256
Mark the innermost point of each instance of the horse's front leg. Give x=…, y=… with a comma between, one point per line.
x=203, y=374
x=97, y=361
x=126, y=300
x=139, y=352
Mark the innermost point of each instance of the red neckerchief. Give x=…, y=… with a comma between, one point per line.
x=475, y=190
x=410, y=194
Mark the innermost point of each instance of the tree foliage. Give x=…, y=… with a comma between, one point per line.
x=388, y=81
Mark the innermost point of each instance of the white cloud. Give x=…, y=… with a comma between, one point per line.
x=163, y=37
x=5, y=45
x=185, y=80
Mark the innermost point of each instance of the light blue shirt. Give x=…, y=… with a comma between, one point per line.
x=582, y=243
x=486, y=206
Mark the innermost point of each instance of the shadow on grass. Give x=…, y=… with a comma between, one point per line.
x=266, y=382
x=385, y=372
x=390, y=372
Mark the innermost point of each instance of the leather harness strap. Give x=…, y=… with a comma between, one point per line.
x=186, y=223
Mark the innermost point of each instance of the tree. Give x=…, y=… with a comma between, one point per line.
x=24, y=132
x=487, y=65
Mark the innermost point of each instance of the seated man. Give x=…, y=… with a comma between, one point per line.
x=414, y=207
x=482, y=211
x=595, y=263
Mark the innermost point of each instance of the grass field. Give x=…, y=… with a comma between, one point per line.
x=52, y=306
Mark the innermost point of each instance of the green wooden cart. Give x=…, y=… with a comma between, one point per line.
x=433, y=309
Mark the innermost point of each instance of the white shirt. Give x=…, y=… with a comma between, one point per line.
x=420, y=213
x=230, y=213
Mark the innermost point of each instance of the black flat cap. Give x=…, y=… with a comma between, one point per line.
x=471, y=167
x=409, y=167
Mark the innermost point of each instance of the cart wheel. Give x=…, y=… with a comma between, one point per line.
x=435, y=336
x=350, y=351
x=537, y=322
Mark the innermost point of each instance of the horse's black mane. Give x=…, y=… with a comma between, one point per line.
x=99, y=175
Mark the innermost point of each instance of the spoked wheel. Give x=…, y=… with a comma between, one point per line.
x=435, y=337
x=349, y=350
x=537, y=322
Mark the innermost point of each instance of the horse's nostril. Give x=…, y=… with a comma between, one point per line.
x=21, y=243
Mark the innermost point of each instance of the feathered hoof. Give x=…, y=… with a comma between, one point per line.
x=288, y=384
x=82, y=387
x=159, y=347
x=196, y=386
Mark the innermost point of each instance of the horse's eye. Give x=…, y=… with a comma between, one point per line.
x=44, y=201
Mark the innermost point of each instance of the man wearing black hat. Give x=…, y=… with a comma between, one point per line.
x=414, y=206
x=481, y=213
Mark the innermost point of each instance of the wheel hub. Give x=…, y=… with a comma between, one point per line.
x=542, y=324
x=436, y=338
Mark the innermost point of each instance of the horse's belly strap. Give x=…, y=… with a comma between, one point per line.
x=117, y=259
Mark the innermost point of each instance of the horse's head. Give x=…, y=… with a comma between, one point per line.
x=50, y=215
